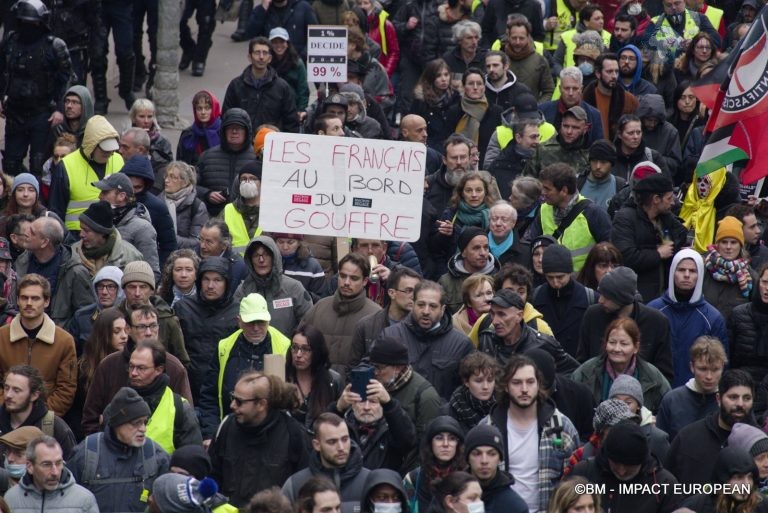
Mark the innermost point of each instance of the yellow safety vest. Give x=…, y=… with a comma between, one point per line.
x=280, y=344
x=566, y=20
x=714, y=15
x=236, y=225
x=504, y=134
x=577, y=237
x=666, y=30
x=80, y=175
x=225, y=508
x=383, y=15
x=570, y=45
x=161, y=423
x=539, y=47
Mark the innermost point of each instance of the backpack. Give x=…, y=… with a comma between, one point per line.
x=93, y=445
x=46, y=426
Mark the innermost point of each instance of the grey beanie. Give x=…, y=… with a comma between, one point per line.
x=126, y=406
x=557, y=259
x=26, y=178
x=177, y=493
x=609, y=413
x=749, y=438
x=627, y=385
x=619, y=286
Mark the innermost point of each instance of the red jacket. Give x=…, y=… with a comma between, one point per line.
x=390, y=48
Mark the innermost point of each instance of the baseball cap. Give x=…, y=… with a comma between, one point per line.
x=109, y=144
x=253, y=307
x=118, y=181
x=507, y=298
x=578, y=112
x=278, y=32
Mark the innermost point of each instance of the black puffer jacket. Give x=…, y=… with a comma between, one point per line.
x=249, y=458
x=268, y=100
x=748, y=335
x=218, y=167
x=204, y=322
x=637, y=238
x=625, y=163
x=489, y=343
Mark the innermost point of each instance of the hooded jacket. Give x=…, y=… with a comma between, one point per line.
x=664, y=138
x=638, y=86
x=248, y=458
x=61, y=431
x=491, y=344
x=457, y=273
x=499, y=497
x=218, y=167
x=68, y=497
x=205, y=322
x=564, y=309
x=434, y=353
x=349, y=479
x=378, y=477
x=684, y=405
x=96, y=130
x=136, y=228
x=748, y=331
x=366, y=126
x=690, y=319
x=504, y=95
x=287, y=299
x=86, y=101
x=82, y=323
x=269, y=99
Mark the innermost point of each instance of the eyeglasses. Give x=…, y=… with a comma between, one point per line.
x=628, y=58
x=111, y=287
x=262, y=256
x=239, y=401
x=207, y=242
x=72, y=101
x=141, y=369
x=145, y=327
x=300, y=349
x=408, y=291
x=48, y=465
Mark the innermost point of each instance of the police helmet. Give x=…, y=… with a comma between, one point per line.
x=31, y=11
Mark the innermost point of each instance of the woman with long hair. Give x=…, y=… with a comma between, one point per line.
x=309, y=368
x=475, y=118
x=686, y=112
x=179, y=276
x=204, y=131
x=289, y=66
x=432, y=98
x=187, y=211
x=441, y=453
x=469, y=205
x=701, y=49
x=602, y=258
x=456, y=492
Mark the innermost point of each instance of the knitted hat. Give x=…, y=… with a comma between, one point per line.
x=443, y=424
x=557, y=259
x=126, y=406
x=654, y=184
x=389, y=351
x=626, y=444
x=609, y=413
x=542, y=241
x=261, y=135
x=177, y=493
x=26, y=178
x=468, y=234
x=20, y=437
x=644, y=169
x=140, y=271
x=731, y=227
x=545, y=364
x=619, y=285
x=603, y=149
x=507, y=298
x=627, y=385
x=193, y=459
x=98, y=217
x=731, y=461
x=252, y=168
x=484, y=435
x=750, y=438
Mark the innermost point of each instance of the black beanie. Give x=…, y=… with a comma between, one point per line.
x=603, y=149
x=253, y=168
x=98, y=217
x=468, y=234
x=557, y=259
x=389, y=351
x=483, y=435
x=126, y=406
x=654, y=184
x=545, y=364
x=626, y=444
x=193, y=459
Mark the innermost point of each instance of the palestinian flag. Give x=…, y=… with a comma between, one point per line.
x=736, y=92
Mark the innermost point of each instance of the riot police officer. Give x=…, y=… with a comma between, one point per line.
x=116, y=16
x=77, y=22
x=35, y=72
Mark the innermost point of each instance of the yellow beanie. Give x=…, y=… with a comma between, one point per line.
x=731, y=227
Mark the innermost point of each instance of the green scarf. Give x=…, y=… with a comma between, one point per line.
x=106, y=249
x=469, y=124
x=473, y=216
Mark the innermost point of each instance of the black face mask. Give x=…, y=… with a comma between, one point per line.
x=30, y=32
x=677, y=19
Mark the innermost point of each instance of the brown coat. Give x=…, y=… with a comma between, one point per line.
x=112, y=374
x=52, y=353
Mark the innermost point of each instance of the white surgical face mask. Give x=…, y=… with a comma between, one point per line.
x=634, y=9
x=249, y=190
x=476, y=507
x=387, y=507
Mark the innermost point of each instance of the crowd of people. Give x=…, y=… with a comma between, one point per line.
x=580, y=327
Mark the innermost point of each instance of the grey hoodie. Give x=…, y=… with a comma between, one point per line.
x=287, y=299
x=85, y=98
x=113, y=274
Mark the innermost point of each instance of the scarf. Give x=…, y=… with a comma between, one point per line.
x=469, y=124
x=615, y=109
x=699, y=214
x=174, y=200
x=728, y=271
x=468, y=409
x=100, y=252
x=178, y=295
x=629, y=371
x=401, y=381
x=119, y=213
x=519, y=55
x=498, y=249
x=473, y=216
